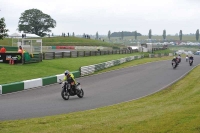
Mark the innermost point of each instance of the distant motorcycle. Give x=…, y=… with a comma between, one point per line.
x=190, y=62
x=68, y=91
x=186, y=59
x=174, y=64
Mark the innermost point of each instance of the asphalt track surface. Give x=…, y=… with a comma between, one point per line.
x=100, y=90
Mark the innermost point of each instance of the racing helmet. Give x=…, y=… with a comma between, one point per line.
x=67, y=72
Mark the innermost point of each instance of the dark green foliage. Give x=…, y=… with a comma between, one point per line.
x=150, y=34
x=164, y=34
x=122, y=35
x=126, y=33
x=3, y=29
x=136, y=34
x=97, y=35
x=109, y=33
x=197, y=35
x=36, y=22
x=180, y=35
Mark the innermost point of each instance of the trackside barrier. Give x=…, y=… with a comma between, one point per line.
x=28, y=84
x=86, y=70
x=32, y=83
x=70, y=54
x=159, y=55
x=13, y=87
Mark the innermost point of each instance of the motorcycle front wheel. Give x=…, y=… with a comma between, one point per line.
x=65, y=94
x=81, y=94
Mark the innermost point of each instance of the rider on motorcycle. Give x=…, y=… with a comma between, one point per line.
x=174, y=60
x=191, y=58
x=69, y=77
x=179, y=58
x=186, y=58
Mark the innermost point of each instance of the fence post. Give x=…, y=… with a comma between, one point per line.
x=44, y=56
x=71, y=54
x=63, y=54
x=23, y=59
x=54, y=55
x=77, y=53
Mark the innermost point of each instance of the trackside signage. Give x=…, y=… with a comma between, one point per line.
x=6, y=57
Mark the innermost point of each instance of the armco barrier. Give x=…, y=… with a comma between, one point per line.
x=86, y=70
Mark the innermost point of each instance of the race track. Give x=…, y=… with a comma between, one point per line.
x=100, y=90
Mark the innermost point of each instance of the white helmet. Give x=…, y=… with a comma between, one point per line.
x=67, y=72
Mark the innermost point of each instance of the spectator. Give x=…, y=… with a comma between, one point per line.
x=20, y=50
x=2, y=50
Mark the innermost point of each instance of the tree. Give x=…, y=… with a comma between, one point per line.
x=197, y=35
x=97, y=35
x=109, y=33
x=150, y=34
x=135, y=35
x=164, y=34
x=3, y=30
x=122, y=35
x=36, y=22
x=180, y=35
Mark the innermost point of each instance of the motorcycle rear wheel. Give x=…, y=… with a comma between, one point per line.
x=65, y=94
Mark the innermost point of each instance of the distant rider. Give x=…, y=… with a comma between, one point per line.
x=191, y=58
x=69, y=77
x=186, y=58
x=175, y=60
x=179, y=58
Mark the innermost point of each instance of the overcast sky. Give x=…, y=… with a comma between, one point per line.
x=90, y=16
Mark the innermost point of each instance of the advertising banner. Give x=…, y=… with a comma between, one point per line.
x=6, y=57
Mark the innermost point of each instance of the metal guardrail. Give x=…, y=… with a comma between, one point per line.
x=70, y=54
x=87, y=70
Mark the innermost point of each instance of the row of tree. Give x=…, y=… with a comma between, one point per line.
x=135, y=34
x=180, y=34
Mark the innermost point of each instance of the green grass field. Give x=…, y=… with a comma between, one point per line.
x=174, y=109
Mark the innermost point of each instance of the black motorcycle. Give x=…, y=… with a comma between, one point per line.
x=174, y=64
x=190, y=62
x=68, y=91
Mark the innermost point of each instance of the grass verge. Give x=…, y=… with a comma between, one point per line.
x=174, y=109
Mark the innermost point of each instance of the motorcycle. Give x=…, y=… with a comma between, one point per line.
x=190, y=62
x=186, y=58
x=179, y=60
x=68, y=91
x=174, y=64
